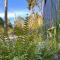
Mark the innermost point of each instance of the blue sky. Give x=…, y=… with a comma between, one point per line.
x=15, y=7
x=19, y=8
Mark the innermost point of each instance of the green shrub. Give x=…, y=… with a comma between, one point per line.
x=27, y=48
x=18, y=31
x=46, y=50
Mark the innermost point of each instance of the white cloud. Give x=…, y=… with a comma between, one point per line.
x=9, y=14
x=12, y=14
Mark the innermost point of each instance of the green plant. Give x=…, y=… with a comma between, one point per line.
x=26, y=27
x=46, y=50
x=18, y=31
x=27, y=47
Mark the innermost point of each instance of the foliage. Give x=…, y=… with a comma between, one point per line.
x=18, y=31
x=46, y=50
x=26, y=27
x=1, y=22
x=24, y=30
x=27, y=47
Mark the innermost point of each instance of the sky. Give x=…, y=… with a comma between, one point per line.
x=19, y=8
x=15, y=8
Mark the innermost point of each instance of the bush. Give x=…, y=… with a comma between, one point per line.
x=27, y=48
x=46, y=50
x=18, y=31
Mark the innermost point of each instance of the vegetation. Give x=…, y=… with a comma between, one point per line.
x=18, y=31
x=1, y=22
x=26, y=27
x=36, y=42
x=29, y=47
